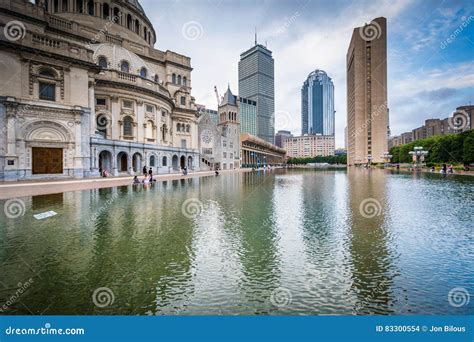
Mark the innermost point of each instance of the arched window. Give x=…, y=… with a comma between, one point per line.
x=185, y=81
x=65, y=6
x=143, y=72
x=188, y=128
x=125, y=66
x=90, y=7
x=129, y=21
x=149, y=130
x=179, y=79
x=145, y=33
x=103, y=63
x=163, y=132
x=173, y=79
x=47, y=73
x=178, y=127
x=117, y=16
x=137, y=26
x=164, y=162
x=47, y=91
x=152, y=161
x=105, y=11
x=128, y=126
x=79, y=6
x=102, y=122
x=56, y=6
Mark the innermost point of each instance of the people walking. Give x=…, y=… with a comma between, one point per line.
x=444, y=170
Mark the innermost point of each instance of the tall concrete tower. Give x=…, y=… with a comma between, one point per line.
x=367, y=107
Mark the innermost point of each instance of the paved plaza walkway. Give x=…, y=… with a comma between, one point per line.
x=46, y=187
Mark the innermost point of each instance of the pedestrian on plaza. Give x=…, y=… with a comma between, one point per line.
x=136, y=181
x=444, y=170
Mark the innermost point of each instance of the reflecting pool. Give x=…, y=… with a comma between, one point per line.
x=285, y=242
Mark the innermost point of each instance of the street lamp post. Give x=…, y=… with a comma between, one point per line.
x=387, y=157
x=418, y=156
x=369, y=160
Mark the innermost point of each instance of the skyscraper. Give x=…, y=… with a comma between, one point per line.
x=317, y=104
x=257, y=83
x=248, y=116
x=367, y=110
x=281, y=136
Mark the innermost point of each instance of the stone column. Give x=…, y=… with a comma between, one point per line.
x=114, y=164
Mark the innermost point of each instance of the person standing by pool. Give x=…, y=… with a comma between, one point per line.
x=145, y=171
x=150, y=173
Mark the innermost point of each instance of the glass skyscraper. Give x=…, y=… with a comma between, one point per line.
x=257, y=83
x=317, y=104
x=248, y=116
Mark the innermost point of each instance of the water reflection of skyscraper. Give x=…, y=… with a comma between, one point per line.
x=373, y=271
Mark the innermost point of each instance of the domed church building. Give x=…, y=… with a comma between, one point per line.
x=84, y=91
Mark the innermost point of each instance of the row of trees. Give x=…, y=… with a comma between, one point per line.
x=341, y=159
x=452, y=149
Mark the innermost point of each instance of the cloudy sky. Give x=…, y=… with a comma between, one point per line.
x=428, y=77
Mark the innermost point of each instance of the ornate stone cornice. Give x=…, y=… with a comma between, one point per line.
x=135, y=89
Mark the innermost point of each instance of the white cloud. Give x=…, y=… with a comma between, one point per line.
x=303, y=35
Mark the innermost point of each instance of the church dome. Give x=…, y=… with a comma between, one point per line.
x=136, y=4
x=115, y=55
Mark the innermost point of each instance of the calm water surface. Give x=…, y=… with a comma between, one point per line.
x=285, y=242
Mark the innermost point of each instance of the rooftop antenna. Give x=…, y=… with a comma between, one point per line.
x=255, y=35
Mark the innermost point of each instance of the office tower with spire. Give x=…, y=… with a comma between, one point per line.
x=317, y=105
x=257, y=83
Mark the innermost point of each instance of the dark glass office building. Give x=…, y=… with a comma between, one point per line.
x=317, y=104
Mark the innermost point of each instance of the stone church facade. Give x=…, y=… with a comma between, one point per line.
x=220, y=143
x=84, y=91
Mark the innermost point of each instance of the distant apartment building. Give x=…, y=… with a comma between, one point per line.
x=248, y=116
x=460, y=121
x=469, y=110
x=394, y=141
x=406, y=138
x=419, y=133
x=281, y=136
x=340, y=152
x=367, y=106
x=308, y=146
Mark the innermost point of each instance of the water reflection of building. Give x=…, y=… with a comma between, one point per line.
x=258, y=238
x=369, y=247
x=78, y=100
